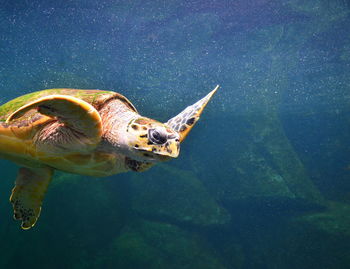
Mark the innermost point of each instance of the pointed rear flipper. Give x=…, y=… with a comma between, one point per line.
x=184, y=122
x=27, y=195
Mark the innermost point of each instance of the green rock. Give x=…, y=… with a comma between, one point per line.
x=333, y=221
x=155, y=245
x=258, y=166
x=312, y=240
x=177, y=195
x=315, y=240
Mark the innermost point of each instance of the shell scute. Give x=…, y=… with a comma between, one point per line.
x=94, y=97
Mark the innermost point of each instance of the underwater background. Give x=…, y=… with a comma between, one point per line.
x=262, y=181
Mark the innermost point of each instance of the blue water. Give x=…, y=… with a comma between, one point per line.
x=262, y=181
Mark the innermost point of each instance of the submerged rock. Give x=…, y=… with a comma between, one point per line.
x=257, y=167
x=176, y=195
x=334, y=221
x=155, y=245
x=315, y=240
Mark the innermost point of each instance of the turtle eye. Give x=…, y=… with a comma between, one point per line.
x=157, y=137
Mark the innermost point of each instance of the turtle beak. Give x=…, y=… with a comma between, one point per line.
x=172, y=148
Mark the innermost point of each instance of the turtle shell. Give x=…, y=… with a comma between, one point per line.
x=16, y=136
x=96, y=98
x=25, y=126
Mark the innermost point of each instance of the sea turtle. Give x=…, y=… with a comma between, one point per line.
x=88, y=132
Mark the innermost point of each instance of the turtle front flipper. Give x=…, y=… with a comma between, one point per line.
x=184, y=122
x=72, y=112
x=28, y=193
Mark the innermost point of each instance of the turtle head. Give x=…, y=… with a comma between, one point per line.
x=151, y=140
x=148, y=140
